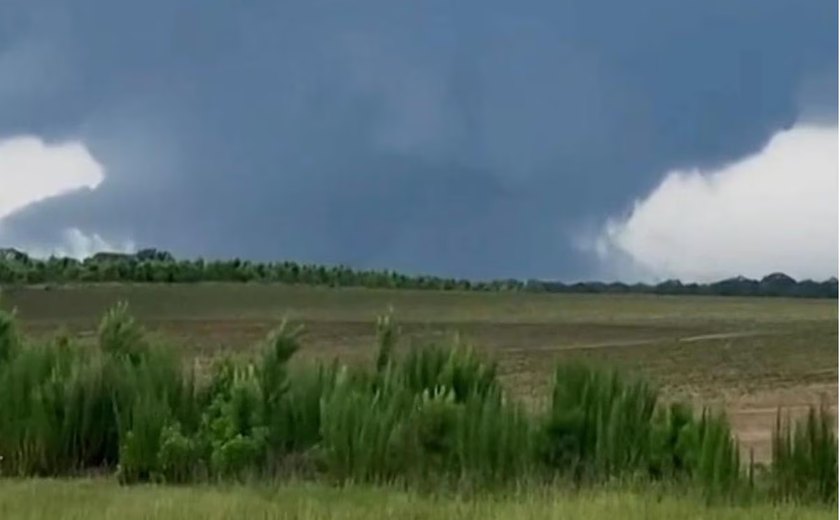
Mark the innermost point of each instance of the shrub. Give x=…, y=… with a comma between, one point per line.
x=716, y=459
x=361, y=430
x=296, y=422
x=805, y=457
x=494, y=440
x=598, y=425
x=178, y=457
x=120, y=335
x=272, y=374
x=386, y=335
x=140, y=438
x=437, y=416
x=456, y=369
x=9, y=339
x=601, y=426
x=55, y=411
x=432, y=432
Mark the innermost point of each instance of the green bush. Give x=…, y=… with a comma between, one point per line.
x=56, y=413
x=432, y=430
x=295, y=425
x=598, y=425
x=361, y=430
x=671, y=449
x=494, y=443
x=436, y=415
x=456, y=369
x=274, y=385
x=232, y=434
x=805, y=457
x=120, y=335
x=140, y=438
x=386, y=335
x=716, y=459
x=601, y=426
x=9, y=339
x=178, y=457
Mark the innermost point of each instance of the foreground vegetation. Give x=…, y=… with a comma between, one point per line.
x=433, y=416
x=747, y=356
x=151, y=265
x=99, y=499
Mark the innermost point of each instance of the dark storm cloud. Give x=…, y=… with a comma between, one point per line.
x=470, y=138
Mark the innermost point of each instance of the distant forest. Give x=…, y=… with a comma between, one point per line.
x=155, y=266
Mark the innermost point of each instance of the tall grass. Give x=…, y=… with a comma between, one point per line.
x=805, y=457
x=101, y=499
x=432, y=415
x=598, y=425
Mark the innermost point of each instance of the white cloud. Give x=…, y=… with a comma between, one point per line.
x=78, y=244
x=773, y=211
x=31, y=171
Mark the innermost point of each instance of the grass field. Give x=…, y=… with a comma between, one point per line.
x=748, y=355
x=103, y=499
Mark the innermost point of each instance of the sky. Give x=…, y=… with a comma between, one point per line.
x=562, y=140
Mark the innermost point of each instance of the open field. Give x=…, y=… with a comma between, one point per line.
x=103, y=499
x=749, y=355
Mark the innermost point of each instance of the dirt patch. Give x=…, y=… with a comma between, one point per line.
x=753, y=416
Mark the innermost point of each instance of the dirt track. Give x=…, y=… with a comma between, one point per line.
x=648, y=341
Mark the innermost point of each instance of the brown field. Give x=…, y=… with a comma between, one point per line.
x=748, y=355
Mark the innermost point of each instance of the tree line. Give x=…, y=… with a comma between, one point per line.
x=156, y=266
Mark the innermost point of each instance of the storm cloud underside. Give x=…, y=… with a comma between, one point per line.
x=464, y=138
